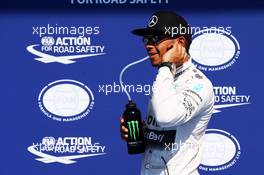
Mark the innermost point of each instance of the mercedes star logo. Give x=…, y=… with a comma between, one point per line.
x=153, y=21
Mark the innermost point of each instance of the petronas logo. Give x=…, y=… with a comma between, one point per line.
x=133, y=130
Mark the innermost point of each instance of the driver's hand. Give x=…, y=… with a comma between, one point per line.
x=176, y=53
x=123, y=129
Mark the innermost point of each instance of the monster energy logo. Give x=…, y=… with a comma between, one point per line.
x=133, y=130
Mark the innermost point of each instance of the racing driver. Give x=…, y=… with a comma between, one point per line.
x=181, y=102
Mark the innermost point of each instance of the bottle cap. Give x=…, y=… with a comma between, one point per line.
x=131, y=104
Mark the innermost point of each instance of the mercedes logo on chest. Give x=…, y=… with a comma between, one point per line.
x=153, y=21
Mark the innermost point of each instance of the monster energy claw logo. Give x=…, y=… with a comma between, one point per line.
x=133, y=129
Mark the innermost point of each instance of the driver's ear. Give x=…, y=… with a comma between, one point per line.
x=182, y=41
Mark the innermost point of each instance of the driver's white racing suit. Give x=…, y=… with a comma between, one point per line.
x=180, y=108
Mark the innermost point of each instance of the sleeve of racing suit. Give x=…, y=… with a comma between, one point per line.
x=173, y=108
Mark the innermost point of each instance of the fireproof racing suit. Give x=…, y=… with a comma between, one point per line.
x=180, y=108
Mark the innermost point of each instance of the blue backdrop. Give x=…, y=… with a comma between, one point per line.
x=23, y=77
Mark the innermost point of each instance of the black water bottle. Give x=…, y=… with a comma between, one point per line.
x=133, y=122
